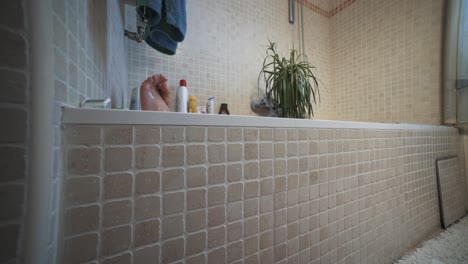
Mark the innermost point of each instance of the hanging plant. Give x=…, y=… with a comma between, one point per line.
x=290, y=84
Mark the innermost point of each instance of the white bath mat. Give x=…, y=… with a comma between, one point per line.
x=450, y=190
x=449, y=247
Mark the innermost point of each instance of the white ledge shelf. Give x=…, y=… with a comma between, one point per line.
x=131, y=117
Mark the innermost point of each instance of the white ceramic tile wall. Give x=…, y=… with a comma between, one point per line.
x=90, y=62
x=117, y=71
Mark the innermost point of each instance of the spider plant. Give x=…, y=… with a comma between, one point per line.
x=290, y=84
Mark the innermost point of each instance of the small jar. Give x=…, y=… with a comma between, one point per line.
x=201, y=110
x=223, y=110
x=193, y=104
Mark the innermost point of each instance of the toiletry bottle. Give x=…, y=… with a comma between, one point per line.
x=223, y=110
x=193, y=104
x=210, y=106
x=182, y=97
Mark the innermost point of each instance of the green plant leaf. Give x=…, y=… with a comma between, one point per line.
x=290, y=83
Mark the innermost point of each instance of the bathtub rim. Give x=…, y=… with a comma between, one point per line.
x=85, y=116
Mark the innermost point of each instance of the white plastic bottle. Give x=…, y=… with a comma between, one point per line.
x=182, y=97
x=210, y=106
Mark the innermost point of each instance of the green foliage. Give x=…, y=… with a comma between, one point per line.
x=290, y=85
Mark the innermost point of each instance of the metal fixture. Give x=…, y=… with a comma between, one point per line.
x=301, y=7
x=263, y=107
x=141, y=24
x=291, y=11
x=138, y=36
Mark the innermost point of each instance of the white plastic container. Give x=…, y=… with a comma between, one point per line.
x=210, y=106
x=182, y=97
x=96, y=103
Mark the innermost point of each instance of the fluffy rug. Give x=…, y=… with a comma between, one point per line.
x=449, y=247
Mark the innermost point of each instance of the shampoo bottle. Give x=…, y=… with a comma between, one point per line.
x=182, y=97
x=193, y=104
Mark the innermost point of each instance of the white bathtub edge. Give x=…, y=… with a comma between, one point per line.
x=129, y=117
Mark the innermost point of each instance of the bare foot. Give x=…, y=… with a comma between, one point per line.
x=154, y=94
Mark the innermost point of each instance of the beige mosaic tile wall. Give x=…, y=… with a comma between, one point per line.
x=225, y=47
x=386, y=58
x=14, y=135
x=141, y=194
x=317, y=48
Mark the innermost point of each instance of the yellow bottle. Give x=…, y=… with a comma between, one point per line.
x=193, y=104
